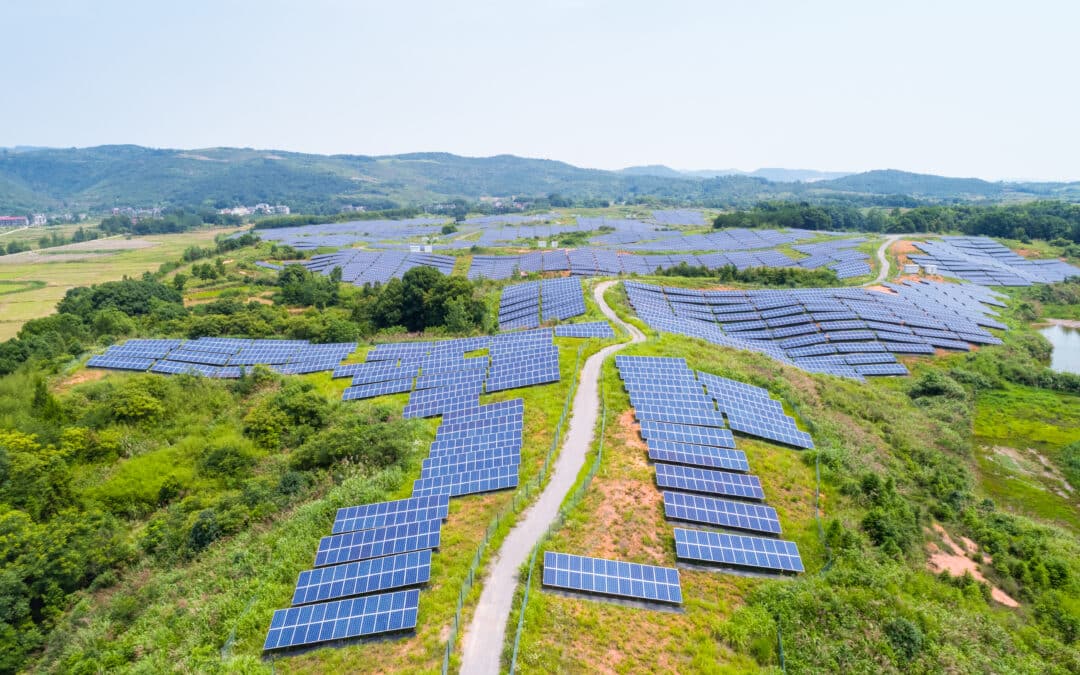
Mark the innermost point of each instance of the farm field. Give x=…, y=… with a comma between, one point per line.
x=42, y=277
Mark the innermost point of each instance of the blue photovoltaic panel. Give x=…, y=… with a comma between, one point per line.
x=363, y=577
x=595, y=329
x=737, y=550
x=363, y=544
x=377, y=389
x=472, y=482
x=706, y=456
x=384, y=514
x=119, y=362
x=693, y=479
x=685, y=433
x=341, y=619
x=612, y=577
x=721, y=512
x=679, y=414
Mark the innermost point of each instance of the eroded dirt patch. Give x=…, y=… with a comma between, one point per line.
x=84, y=375
x=956, y=561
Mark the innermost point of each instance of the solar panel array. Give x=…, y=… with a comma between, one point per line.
x=441, y=379
x=475, y=450
x=592, y=329
x=337, y=235
x=221, y=357
x=361, y=267
x=981, y=260
x=374, y=551
x=612, y=578
x=838, y=255
x=591, y=261
x=702, y=475
x=522, y=305
x=849, y=332
x=740, y=551
x=342, y=619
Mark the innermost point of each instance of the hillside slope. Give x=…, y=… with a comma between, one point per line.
x=103, y=177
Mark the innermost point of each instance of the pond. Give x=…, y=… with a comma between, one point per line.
x=1066, y=341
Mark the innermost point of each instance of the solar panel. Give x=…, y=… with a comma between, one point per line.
x=363, y=577
x=341, y=619
x=594, y=329
x=120, y=363
x=721, y=512
x=685, y=433
x=611, y=577
x=693, y=479
x=384, y=514
x=377, y=542
x=377, y=389
x=698, y=455
x=737, y=550
x=472, y=482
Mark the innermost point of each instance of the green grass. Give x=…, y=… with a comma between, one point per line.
x=51, y=279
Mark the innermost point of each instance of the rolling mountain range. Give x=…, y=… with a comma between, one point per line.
x=99, y=178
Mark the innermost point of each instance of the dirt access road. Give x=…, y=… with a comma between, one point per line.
x=485, y=636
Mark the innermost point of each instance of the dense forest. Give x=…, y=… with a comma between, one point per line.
x=1053, y=221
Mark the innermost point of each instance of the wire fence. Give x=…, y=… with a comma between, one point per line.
x=521, y=498
x=811, y=427
x=560, y=519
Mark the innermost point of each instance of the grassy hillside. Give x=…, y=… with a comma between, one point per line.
x=901, y=470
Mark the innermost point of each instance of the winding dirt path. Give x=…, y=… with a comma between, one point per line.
x=883, y=259
x=484, y=638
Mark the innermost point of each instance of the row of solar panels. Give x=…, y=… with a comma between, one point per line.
x=440, y=376
x=523, y=305
x=221, y=357
x=365, y=575
x=827, y=330
x=702, y=474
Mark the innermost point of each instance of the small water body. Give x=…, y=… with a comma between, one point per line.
x=1066, y=341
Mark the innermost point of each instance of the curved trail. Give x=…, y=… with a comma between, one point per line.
x=883, y=272
x=484, y=638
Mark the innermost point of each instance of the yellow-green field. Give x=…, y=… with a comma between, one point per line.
x=59, y=269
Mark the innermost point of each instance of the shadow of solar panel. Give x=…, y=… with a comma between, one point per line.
x=342, y=619
x=612, y=578
x=709, y=481
x=363, y=577
x=377, y=542
x=736, y=550
x=721, y=512
x=386, y=514
x=705, y=456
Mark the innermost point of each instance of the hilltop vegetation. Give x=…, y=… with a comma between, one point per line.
x=102, y=177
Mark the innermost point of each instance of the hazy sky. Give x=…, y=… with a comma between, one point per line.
x=953, y=87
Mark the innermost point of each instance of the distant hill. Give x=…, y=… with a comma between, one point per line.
x=99, y=178
x=774, y=175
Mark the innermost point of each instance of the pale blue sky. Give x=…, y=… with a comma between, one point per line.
x=961, y=88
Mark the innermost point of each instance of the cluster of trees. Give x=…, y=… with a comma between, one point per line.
x=296, y=220
x=1050, y=220
x=784, y=277
x=201, y=460
x=170, y=222
x=14, y=247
